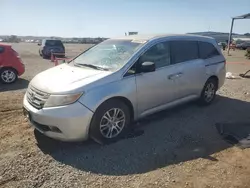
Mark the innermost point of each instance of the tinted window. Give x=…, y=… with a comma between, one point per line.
x=207, y=50
x=53, y=43
x=184, y=51
x=159, y=54
x=1, y=49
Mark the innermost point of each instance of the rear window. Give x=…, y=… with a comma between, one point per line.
x=207, y=50
x=184, y=51
x=1, y=49
x=53, y=43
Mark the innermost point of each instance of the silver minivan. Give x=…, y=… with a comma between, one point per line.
x=100, y=92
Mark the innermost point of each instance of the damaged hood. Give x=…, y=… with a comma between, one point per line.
x=66, y=78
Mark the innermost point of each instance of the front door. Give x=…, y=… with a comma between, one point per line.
x=154, y=89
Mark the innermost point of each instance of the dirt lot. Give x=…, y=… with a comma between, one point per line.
x=179, y=147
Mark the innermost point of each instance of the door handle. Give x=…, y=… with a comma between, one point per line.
x=179, y=74
x=171, y=76
x=176, y=75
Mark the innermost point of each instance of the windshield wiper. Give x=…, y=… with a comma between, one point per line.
x=92, y=66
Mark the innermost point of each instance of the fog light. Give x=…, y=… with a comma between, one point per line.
x=55, y=129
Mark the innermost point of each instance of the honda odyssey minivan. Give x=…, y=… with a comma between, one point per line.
x=100, y=92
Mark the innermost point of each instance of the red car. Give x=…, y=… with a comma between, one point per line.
x=11, y=65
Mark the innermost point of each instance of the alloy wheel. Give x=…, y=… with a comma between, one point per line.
x=112, y=123
x=8, y=76
x=209, y=92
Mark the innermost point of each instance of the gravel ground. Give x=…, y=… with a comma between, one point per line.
x=175, y=148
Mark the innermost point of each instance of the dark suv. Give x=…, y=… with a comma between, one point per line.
x=49, y=46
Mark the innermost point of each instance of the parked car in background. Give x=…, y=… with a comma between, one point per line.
x=11, y=65
x=100, y=92
x=243, y=45
x=49, y=46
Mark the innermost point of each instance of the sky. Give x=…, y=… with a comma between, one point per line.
x=110, y=18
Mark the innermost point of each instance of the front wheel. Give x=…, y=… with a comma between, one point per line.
x=208, y=93
x=110, y=121
x=8, y=75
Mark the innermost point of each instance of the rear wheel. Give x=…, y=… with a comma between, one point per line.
x=8, y=75
x=110, y=121
x=208, y=93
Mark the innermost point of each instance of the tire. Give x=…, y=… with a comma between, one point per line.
x=44, y=56
x=100, y=135
x=206, y=97
x=8, y=75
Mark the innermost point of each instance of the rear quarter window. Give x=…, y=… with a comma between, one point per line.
x=1, y=49
x=207, y=50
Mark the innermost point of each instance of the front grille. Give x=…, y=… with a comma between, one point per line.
x=36, y=97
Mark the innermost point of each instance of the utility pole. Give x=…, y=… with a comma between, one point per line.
x=230, y=36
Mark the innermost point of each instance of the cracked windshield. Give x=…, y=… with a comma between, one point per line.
x=110, y=54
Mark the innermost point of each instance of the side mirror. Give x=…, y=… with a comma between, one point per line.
x=148, y=66
x=39, y=44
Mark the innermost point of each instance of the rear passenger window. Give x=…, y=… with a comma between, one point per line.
x=159, y=54
x=207, y=50
x=184, y=51
x=1, y=49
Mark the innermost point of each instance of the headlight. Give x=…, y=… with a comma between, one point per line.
x=61, y=100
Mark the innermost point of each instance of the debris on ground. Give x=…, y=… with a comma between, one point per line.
x=230, y=75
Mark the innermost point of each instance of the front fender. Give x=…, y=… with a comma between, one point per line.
x=126, y=87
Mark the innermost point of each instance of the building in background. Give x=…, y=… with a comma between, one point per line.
x=132, y=33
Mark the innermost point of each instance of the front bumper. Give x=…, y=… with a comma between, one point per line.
x=21, y=69
x=65, y=123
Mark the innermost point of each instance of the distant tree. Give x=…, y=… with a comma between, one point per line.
x=247, y=34
x=13, y=38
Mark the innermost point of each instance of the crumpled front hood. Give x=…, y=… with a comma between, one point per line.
x=66, y=78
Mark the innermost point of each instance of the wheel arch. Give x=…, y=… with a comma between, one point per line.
x=125, y=100
x=214, y=77
x=8, y=67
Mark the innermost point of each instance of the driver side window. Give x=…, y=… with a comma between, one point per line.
x=159, y=54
